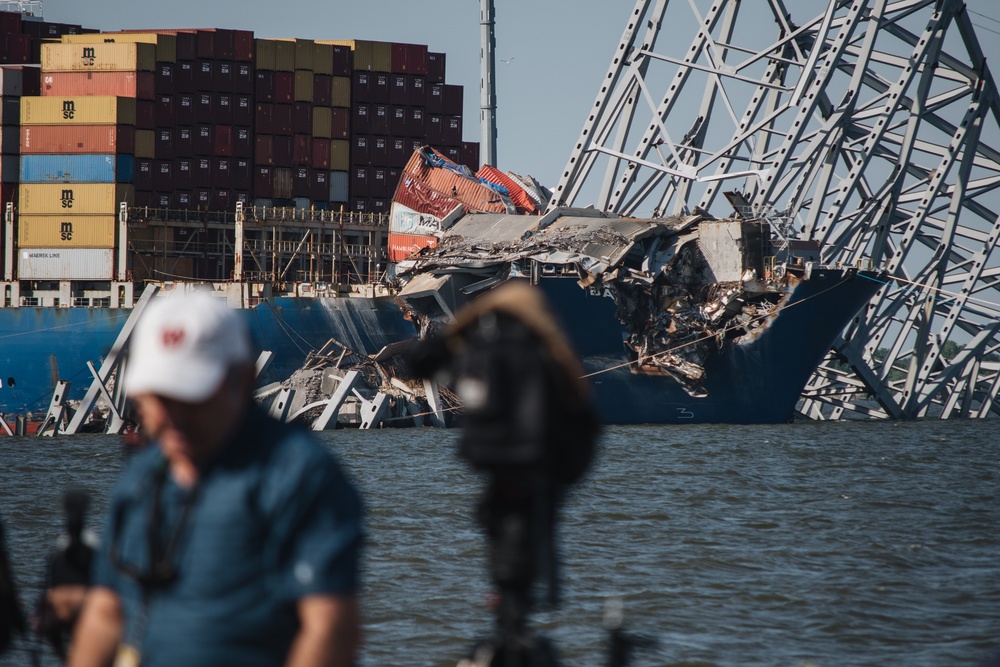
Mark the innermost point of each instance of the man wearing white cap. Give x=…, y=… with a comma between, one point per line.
x=235, y=540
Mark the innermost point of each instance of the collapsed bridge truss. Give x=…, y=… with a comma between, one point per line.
x=867, y=125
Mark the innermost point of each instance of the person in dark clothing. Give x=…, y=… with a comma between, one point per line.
x=11, y=618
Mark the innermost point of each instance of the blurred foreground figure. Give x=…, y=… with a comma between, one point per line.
x=11, y=618
x=234, y=539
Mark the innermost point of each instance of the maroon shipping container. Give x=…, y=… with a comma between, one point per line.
x=10, y=22
x=282, y=182
x=241, y=196
x=222, y=76
x=165, y=110
x=184, y=142
x=302, y=150
x=418, y=91
x=283, y=123
x=223, y=140
x=379, y=185
x=360, y=150
x=380, y=119
x=435, y=67
x=320, y=153
x=264, y=150
x=222, y=173
x=143, y=198
x=415, y=127
x=435, y=129
x=359, y=204
x=203, y=198
x=242, y=142
x=204, y=140
x=184, y=173
x=224, y=109
x=243, y=78
x=184, y=76
x=187, y=47
x=453, y=153
x=243, y=46
x=145, y=114
x=10, y=111
x=453, y=100
x=264, y=118
x=222, y=199
x=216, y=43
x=184, y=111
x=243, y=111
x=379, y=151
x=322, y=90
x=162, y=199
x=202, y=172
x=302, y=118
x=343, y=60
x=242, y=174
x=394, y=179
x=203, y=76
x=380, y=87
x=284, y=87
x=301, y=181
x=399, y=151
x=164, y=144
x=320, y=186
x=143, y=174
x=361, y=123
x=163, y=176
x=264, y=91
x=397, y=121
x=435, y=98
x=31, y=80
x=361, y=89
x=263, y=185
x=283, y=150
x=380, y=205
x=399, y=89
x=19, y=49
x=182, y=200
x=453, y=130
x=164, y=79
x=204, y=108
x=340, y=123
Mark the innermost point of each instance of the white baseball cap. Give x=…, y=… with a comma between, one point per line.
x=183, y=346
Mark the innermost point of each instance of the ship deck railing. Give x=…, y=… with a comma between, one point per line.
x=262, y=215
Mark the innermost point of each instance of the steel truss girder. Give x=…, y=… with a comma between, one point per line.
x=873, y=125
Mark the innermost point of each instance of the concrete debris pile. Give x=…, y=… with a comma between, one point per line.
x=337, y=387
x=682, y=286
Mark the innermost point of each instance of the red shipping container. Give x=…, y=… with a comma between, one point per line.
x=203, y=76
x=242, y=142
x=415, y=127
x=263, y=186
x=380, y=87
x=302, y=118
x=243, y=78
x=417, y=58
x=302, y=150
x=143, y=174
x=164, y=78
x=204, y=111
x=184, y=142
x=284, y=87
x=243, y=46
x=202, y=172
x=164, y=138
x=398, y=59
x=243, y=111
x=223, y=109
x=283, y=119
x=184, y=111
x=204, y=140
x=222, y=173
x=435, y=67
x=343, y=60
x=320, y=187
x=184, y=173
x=322, y=90
x=380, y=119
x=184, y=77
x=163, y=176
x=264, y=92
x=418, y=91
x=402, y=246
x=453, y=100
x=362, y=119
x=360, y=151
x=141, y=85
x=399, y=89
x=340, y=122
x=283, y=151
x=264, y=118
x=165, y=110
x=301, y=181
x=264, y=153
x=320, y=153
x=242, y=174
x=57, y=139
x=360, y=182
x=145, y=114
x=223, y=140
x=361, y=87
x=469, y=154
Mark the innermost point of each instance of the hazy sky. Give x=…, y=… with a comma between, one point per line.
x=558, y=50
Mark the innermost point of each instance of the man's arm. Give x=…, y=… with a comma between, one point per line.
x=97, y=634
x=329, y=633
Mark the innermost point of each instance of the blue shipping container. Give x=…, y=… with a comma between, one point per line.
x=83, y=168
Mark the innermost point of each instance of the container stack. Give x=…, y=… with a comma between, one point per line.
x=15, y=82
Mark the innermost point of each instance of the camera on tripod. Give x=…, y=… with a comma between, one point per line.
x=529, y=424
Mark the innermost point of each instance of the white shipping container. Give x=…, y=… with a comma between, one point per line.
x=338, y=186
x=66, y=264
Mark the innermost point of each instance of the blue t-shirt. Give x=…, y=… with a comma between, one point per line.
x=273, y=519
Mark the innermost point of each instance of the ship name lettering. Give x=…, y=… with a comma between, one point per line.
x=599, y=291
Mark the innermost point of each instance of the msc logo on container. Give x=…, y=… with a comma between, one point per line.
x=69, y=109
x=88, y=56
x=67, y=198
x=66, y=231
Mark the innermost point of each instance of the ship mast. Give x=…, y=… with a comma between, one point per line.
x=487, y=83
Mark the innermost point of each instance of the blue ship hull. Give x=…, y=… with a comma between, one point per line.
x=756, y=382
x=39, y=346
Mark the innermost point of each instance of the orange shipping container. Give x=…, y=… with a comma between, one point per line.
x=473, y=194
x=98, y=57
x=77, y=139
x=401, y=246
x=140, y=85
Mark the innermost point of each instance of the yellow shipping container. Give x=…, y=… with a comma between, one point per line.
x=322, y=122
x=341, y=89
x=66, y=231
x=76, y=198
x=79, y=110
x=368, y=56
x=264, y=53
x=98, y=57
x=323, y=58
x=340, y=154
x=284, y=55
x=145, y=143
x=303, y=86
x=166, y=45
